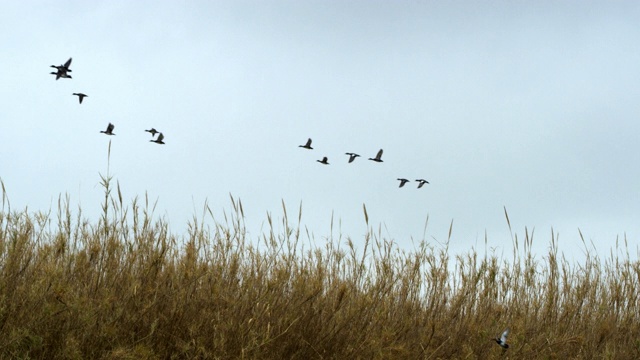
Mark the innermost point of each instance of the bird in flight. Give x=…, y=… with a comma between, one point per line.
x=159, y=139
x=324, y=161
x=153, y=132
x=61, y=74
x=402, y=181
x=421, y=182
x=502, y=340
x=378, y=157
x=352, y=156
x=307, y=145
x=64, y=67
x=62, y=70
x=80, y=96
x=109, y=130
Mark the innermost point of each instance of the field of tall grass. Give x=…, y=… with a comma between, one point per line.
x=126, y=287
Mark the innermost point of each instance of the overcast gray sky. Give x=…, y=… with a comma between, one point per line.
x=532, y=106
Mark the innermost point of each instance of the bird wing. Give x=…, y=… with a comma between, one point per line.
x=110, y=127
x=160, y=137
x=308, y=142
x=379, y=154
x=504, y=335
x=68, y=63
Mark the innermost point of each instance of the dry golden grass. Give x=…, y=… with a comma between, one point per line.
x=127, y=288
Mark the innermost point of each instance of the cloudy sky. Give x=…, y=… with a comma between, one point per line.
x=532, y=106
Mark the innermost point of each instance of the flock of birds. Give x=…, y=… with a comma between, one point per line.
x=62, y=71
x=353, y=156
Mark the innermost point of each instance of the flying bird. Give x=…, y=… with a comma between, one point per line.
x=307, y=145
x=61, y=74
x=323, y=161
x=80, y=96
x=378, y=157
x=421, y=182
x=402, y=181
x=159, y=139
x=352, y=156
x=64, y=67
x=153, y=132
x=109, y=130
x=62, y=70
x=502, y=340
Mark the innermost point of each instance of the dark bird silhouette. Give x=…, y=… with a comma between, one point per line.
x=402, y=182
x=61, y=74
x=159, y=139
x=421, y=182
x=307, y=145
x=62, y=70
x=64, y=67
x=502, y=340
x=324, y=161
x=153, y=132
x=378, y=157
x=80, y=96
x=109, y=130
x=352, y=156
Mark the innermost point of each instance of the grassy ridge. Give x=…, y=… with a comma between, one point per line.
x=127, y=288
